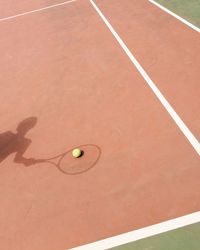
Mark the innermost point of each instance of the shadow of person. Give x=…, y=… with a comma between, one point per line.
x=17, y=142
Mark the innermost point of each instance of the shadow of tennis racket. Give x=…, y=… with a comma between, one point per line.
x=67, y=164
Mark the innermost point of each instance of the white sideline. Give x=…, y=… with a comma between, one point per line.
x=185, y=130
x=176, y=16
x=142, y=233
x=36, y=10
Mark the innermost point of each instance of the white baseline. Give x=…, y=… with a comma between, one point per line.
x=176, y=16
x=36, y=10
x=142, y=233
x=188, y=134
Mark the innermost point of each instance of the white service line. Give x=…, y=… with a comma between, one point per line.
x=36, y=10
x=175, y=15
x=142, y=233
x=188, y=134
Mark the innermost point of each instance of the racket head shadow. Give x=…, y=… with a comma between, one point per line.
x=67, y=164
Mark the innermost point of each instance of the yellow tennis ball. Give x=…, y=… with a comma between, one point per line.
x=76, y=153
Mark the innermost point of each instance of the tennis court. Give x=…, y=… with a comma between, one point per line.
x=119, y=80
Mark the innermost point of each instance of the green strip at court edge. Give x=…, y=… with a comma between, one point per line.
x=186, y=238
x=187, y=9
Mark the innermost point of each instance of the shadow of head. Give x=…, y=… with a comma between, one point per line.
x=25, y=125
x=17, y=142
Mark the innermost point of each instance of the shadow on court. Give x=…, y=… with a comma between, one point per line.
x=17, y=143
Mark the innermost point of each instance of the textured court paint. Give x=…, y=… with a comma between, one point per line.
x=41, y=208
x=179, y=122
x=37, y=10
x=143, y=233
x=186, y=238
x=189, y=10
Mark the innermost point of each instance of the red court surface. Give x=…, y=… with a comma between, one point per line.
x=166, y=48
x=64, y=67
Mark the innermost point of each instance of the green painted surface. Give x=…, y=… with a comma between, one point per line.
x=188, y=9
x=186, y=238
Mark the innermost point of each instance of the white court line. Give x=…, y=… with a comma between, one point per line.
x=188, y=134
x=142, y=233
x=176, y=16
x=37, y=10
